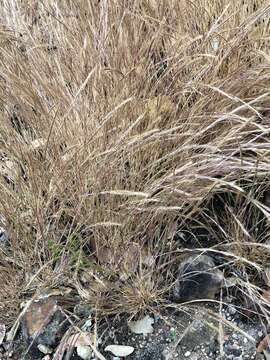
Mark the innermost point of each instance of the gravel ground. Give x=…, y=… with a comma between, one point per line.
x=193, y=334
x=202, y=331
x=195, y=337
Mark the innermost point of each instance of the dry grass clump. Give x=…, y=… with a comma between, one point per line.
x=122, y=123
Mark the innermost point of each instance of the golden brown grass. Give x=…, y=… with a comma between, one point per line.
x=123, y=122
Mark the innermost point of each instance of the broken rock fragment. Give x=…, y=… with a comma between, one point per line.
x=197, y=278
x=142, y=326
x=43, y=324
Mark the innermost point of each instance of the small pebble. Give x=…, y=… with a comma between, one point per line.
x=47, y=357
x=232, y=310
x=44, y=349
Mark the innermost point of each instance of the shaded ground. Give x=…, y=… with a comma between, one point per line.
x=195, y=335
x=198, y=336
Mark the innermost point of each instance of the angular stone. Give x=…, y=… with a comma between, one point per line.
x=201, y=333
x=197, y=279
x=43, y=324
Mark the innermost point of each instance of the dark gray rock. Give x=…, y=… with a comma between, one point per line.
x=201, y=332
x=197, y=279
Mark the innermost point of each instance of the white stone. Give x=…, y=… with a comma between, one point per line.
x=44, y=349
x=142, y=326
x=84, y=352
x=120, y=350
